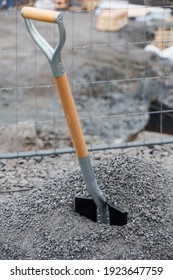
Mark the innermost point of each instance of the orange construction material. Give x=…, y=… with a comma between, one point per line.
x=39, y=14
x=70, y=113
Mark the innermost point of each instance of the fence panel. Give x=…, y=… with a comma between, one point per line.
x=122, y=92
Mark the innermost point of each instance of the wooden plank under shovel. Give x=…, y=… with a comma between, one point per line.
x=97, y=208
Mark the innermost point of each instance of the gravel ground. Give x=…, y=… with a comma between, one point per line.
x=40, y=223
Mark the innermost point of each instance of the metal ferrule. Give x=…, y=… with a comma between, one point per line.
x=93, y=189
x=53, y=55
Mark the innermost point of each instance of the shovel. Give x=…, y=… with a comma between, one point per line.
x=95, y=208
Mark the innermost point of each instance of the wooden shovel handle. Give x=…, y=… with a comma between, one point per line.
x=39, y=14
x=70, y=113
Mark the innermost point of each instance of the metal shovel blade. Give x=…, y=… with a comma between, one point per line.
x=87, y=207
x=117, y=216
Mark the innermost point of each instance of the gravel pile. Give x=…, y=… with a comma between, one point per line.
x=42, y=224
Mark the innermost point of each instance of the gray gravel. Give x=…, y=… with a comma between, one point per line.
x=42, y=224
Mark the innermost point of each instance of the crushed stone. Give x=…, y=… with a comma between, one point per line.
x=42, y=223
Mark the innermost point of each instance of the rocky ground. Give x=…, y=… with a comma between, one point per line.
x=21, y=174
x=38, y=221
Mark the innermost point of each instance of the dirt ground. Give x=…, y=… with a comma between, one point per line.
x=108, y=73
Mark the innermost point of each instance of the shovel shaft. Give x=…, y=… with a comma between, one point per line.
x=71, y=116
x=63, y=88
x=40, y=14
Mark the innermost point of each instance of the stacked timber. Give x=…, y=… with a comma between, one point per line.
x=90, y=5
x=111, y=20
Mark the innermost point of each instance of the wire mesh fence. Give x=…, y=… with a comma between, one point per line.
x=120, y=75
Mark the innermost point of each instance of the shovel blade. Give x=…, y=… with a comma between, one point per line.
x=87, y=207
x=117, y=216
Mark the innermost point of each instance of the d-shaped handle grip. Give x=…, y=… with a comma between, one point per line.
x=40, y=14
x=53, y=55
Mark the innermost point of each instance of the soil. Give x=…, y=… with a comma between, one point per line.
x=111, y=77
